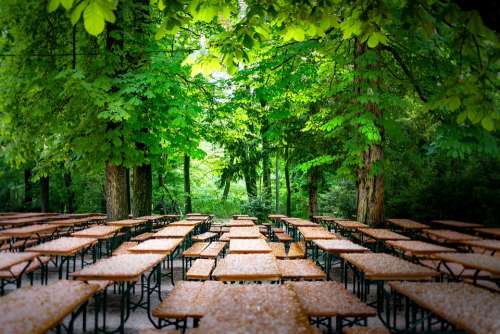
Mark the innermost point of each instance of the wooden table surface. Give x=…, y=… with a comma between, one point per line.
x=300, y=269
x=449, y=235
x=337, y=246
x=98, y=232
x=248, y=232
x=350, y=224
x=329, y=299
x=415, y=247
x=488, y=244
x=248, y=246
x=65, y=246
x=124, y=267
x=239, y=223
x=128, y=222
x=174, y=232
x=186, y=222
x=492, y=231
x=38, y=309
x=310, y=233
x=380, y=266
x=247, y=267
x=382, y=234
x=9, y=259
x=28, y=231
x=406, y=224
x=476, y=261
x=157, y=246
x=467, y=307
x=213, y=250
x=256, y=309
x=456, y=224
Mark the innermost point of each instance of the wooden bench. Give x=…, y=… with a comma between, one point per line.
x=142, y=237
x=283, y=237
x=14, y=272
x=201, y=269
x=124, y=247
x=191, y=253
x=278, y=249
x=213, y=250
x=207, y=236
x=296, y=251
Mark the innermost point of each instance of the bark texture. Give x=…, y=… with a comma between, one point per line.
x=44, y=194
x=188, y=206
x=288, y=187
x=28, y=188
x=312, y=190
x=142, y=190
x=116, y=192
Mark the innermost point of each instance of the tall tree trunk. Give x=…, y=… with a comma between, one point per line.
x=227, y=186
x=116, y=192
x=288, y=187
x=188, y=207
x=277, y=182
x=370, y=176
x=44, y=194
x=70, y=200
x=312, y=189
x=250, y=175
x=28, y=188
x=161, y=183
x=142, y=190
x=266, y=165
x=127, y=191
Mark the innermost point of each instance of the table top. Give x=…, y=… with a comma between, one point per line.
x=339, y=246
x=493, y=231
x=300, y=269
x=99, y=232
x=28, y=231
x=174, y=232
x=186, y=222
x=127, y=222
x=22, y=221
x=407, y=224
x=465, y=306
x=382, y=234
x=247, y=267
x=449, y=235
x=188, y=299
x=310, y=233
x=74, y=221
x=195, y=249
x=65, y=246
x=157, y=246
x=418, y=247
x=380, y=266
x=456, y=224
x=251, y=218
x=9, y=259
x=248, y=246
x=38, y=309
x=329, y=299
x=124, y=267
x=213, y=250
x=296, y=222
x=489, y=244
x=240, y=223
x=250, y=232
x=198, y=218
x=255, y=309
x=276, y=216
x=350, y=224
x=484, y=262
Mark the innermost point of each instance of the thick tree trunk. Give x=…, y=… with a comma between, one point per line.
x=161, y=183
x=370, y=177
x=312, y=190
x=116, y=192
x=288, y=187
x=70, y=200
x=250, y=182
x=127, y=191
x=142, y=190
x=227, y=186
x=266, y=166
x=277, y=183
x=188, y=206
x=44, y=194
x=28, y=188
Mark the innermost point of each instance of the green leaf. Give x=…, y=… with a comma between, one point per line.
x=487, y=123
x=93, y=19
x=77, y=12
x=67, y=4
x=53, y=4
x=453, y=103
x=294, y=33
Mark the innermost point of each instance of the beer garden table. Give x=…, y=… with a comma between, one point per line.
x=454, y=224
x=9, y=259
x=491, y=245
x=39, y=231
x=247, y=267
x=380, y=235
x=248, y=246
x=490, y=231
x=476, y=262
x=103, y=233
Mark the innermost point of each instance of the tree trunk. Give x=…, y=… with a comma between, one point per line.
x=227, y=186
x=188, y=207
x=288, y=188
x=142, y=190
x=277, y=182
x=70, y=200
x=266, y=165
x=44, y=194
x=250, y=182
x=370, y=176
x=28, y=189
x=127, y=191
x=116, y=192
x=312, y=189
x=161, y=183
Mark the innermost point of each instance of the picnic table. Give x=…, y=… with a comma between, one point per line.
x=36, y=310
x=255, y=309
x=491, y=245
x=65, y=248
x=300, y=269
x=247, y=267
x=213, y=250
x=334, y=247
x=454, y=224
x=103, y=233
x=406, y=225
x=448, y=236
x=187, y=299
x=18, y=222
x=329, y=300
x=174, y=232
x=126, y=270
x=368, y=268
x=191, y=253
x=239, y=223
x=348, y=227
x=248, y=246
x=476, y=262
x=8, y=260
x=38, y=231
x=161, y=246
x=490, y=231
x=250, y=232
x=462, y=305
x=379, y=236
